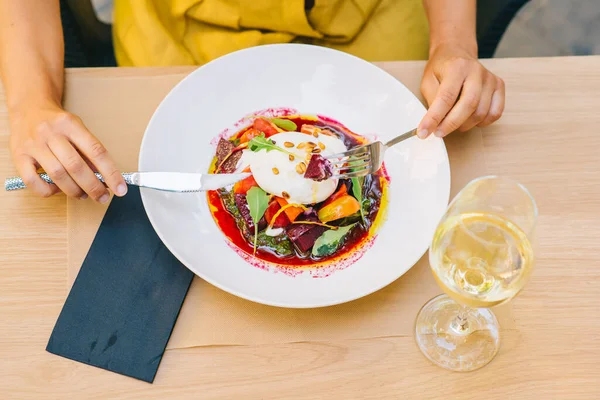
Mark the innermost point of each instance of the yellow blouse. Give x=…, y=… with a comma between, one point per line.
x=193, y=32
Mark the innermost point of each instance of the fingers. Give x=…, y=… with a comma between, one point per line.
x=444, y=100
x=483, y=108
x=78, y=169
x=97, y=154
x=28, y=172
x=57, y=172
x=58, y=142
x=497, y=104
x=429, y=87
x=464, y=108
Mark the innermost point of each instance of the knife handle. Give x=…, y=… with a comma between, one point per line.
x=16, y=183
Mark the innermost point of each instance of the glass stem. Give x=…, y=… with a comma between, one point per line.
x=460, y=325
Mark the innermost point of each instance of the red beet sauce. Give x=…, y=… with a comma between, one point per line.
x=355, y=240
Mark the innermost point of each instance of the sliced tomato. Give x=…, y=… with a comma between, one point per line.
x=244, y=185
x=342, y=191
x=281, y=221
x=249, y=134
x=267, y=127
x=291, y=212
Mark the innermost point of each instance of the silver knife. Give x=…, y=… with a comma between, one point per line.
x=166, y=181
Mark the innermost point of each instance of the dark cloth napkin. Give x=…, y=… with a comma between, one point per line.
x=126, y=298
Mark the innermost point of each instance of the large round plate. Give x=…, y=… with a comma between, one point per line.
x=312, y=80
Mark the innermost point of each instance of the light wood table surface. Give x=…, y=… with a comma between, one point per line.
x=548, y=139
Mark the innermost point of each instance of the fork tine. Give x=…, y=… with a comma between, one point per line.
x=356, y=174
x=353, y=163
x=364, y=157
x=350, y=168
x=353, y=152
x=363, y=169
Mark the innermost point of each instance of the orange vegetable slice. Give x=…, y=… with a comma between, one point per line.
x=291, y=210
x=342, y=191
x=249, y=134
x=274, y=217
x=340, y=208
x=242, y=187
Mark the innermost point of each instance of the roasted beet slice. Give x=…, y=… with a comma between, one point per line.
x=242, y=205
x=262, y=224
x=294, y=231
x=308, y=215
x=225, y=151
x=307, y=241
x=304, y=235
x=318, y=169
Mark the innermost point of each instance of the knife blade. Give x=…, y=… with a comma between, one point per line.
x=185, y=182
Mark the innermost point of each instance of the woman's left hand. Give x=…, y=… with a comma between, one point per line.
x=461, y=92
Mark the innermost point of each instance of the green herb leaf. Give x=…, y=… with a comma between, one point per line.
x=284, y=124
x=357, y=184
x=330, y=241
x=258, y=201
x=259, y=143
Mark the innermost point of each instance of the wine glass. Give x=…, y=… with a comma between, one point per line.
x=481, y=256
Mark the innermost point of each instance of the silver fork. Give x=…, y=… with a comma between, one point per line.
x=365, y=159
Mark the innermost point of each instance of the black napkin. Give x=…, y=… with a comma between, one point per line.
x=125, y=300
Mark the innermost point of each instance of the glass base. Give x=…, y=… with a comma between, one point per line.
x=455, y=337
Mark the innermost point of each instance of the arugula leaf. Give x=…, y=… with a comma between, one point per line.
x=357, y=184
x=258, y=201
x=259, y=143
x=330, y=241
x=285, y=124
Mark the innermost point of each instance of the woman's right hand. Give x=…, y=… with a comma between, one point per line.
x=58, y=142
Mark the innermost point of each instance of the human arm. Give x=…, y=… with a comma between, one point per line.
x=461, y=92
x=42, y=133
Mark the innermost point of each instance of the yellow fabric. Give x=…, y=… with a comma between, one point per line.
x=193, y=32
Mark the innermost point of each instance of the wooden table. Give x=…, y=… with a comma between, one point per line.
x=549, y=139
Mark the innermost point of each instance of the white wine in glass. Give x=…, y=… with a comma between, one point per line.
x=481, y=256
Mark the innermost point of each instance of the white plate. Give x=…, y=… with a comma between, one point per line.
x=312, y=80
